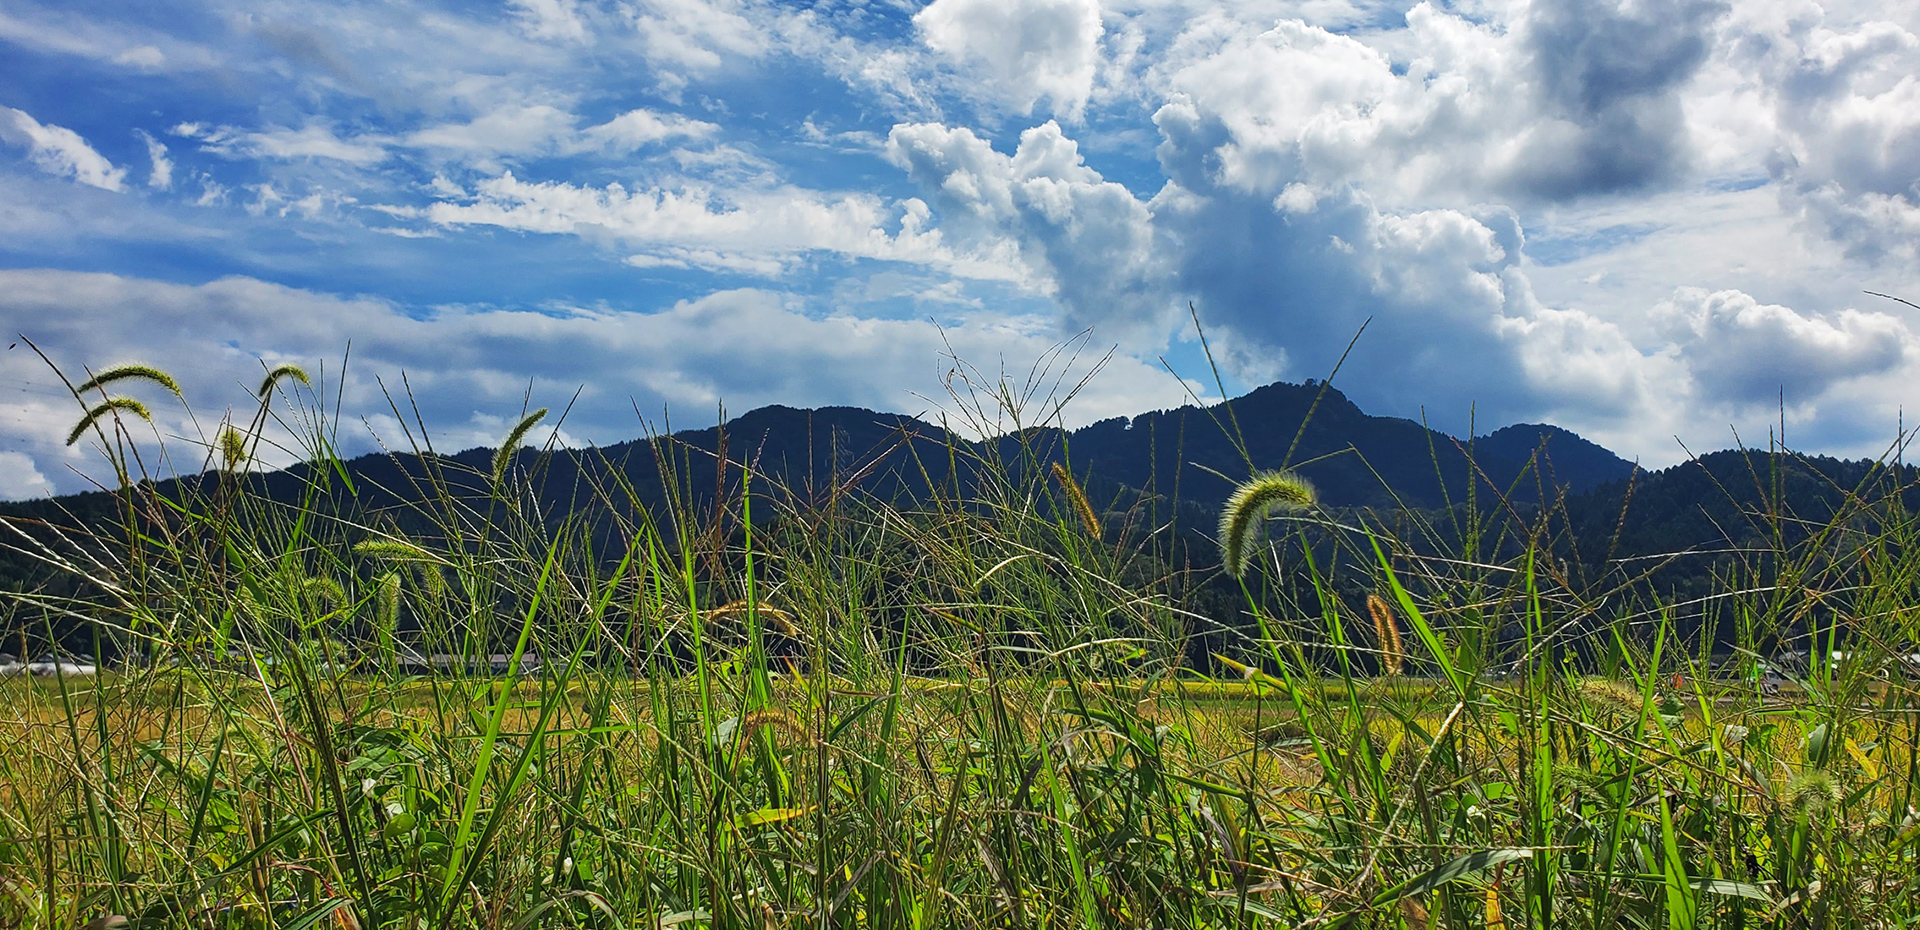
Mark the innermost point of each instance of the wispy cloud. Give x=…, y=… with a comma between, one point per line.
x=314, y=140
x=161, y=177
x=60, y=151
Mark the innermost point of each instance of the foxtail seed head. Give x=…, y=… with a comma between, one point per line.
x=504, y=455
x=1387, y=631
x=130, y=372
x=233, y=448
x=1082, y=507
x=1250, y=505
x=386, y=603
x=397, y=549
x=104, y=408
x=323, y=594
x=284, y=371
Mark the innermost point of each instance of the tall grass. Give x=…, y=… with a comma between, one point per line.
x=976, y=707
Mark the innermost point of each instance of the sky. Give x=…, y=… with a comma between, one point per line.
x=1653, y=222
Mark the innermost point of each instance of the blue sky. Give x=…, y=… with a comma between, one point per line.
x=1649, y=222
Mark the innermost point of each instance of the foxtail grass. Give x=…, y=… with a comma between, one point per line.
x=1247, y=510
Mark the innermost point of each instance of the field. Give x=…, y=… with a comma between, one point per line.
x=998, y=705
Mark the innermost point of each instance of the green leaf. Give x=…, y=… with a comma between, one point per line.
x=768, y=815
x=1727, y=889
x=1682, y=907
x=318, y=913
x=1440, y=875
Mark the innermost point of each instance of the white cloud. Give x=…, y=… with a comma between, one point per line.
x=66, y=33
x=1846, y=106
x=60, y=151
x=1744, y=353
x=314, y=140
x=1085, y=239
x=509, y=130
x=543, y=130
x=733, y=230
x=161, y=178
x=469, y=367
x=697, y=35
x=20, y=479
x=636, y=129
x=145, y=57
x=1027, y=49
x=1569, y=99
x=552, y=19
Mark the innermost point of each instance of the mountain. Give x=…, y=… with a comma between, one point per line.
x=1189, y=455
x=1603, y=508
x=1352, y=458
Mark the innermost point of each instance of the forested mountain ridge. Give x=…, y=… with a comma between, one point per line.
x=1186, y=456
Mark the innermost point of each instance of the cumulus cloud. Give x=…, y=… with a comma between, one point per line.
x=1743, y=352
x=469, y=367
x=60, y=151
x=636, y=129
x=697, y=36
x=1572, y=99
x=1026, y=49
x=20, y=478
x=1846, y=104
x=1284, y=277
x=1292, y=275
x=1085, y=239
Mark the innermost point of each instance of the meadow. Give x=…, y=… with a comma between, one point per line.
x=1000, y=703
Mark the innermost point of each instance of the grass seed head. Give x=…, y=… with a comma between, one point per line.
x=1612, y=701
x=284, y=371
x=323, y=594
x=396, y=549
x=1249, y=506
x=1083, y=507
x=1815, y=793
x=386, y=603
x=503, y=456
x=233, y=448
x=104, y=408
x=1387, y=630
x=129, y=372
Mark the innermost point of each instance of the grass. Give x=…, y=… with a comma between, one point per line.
x=982, y=708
